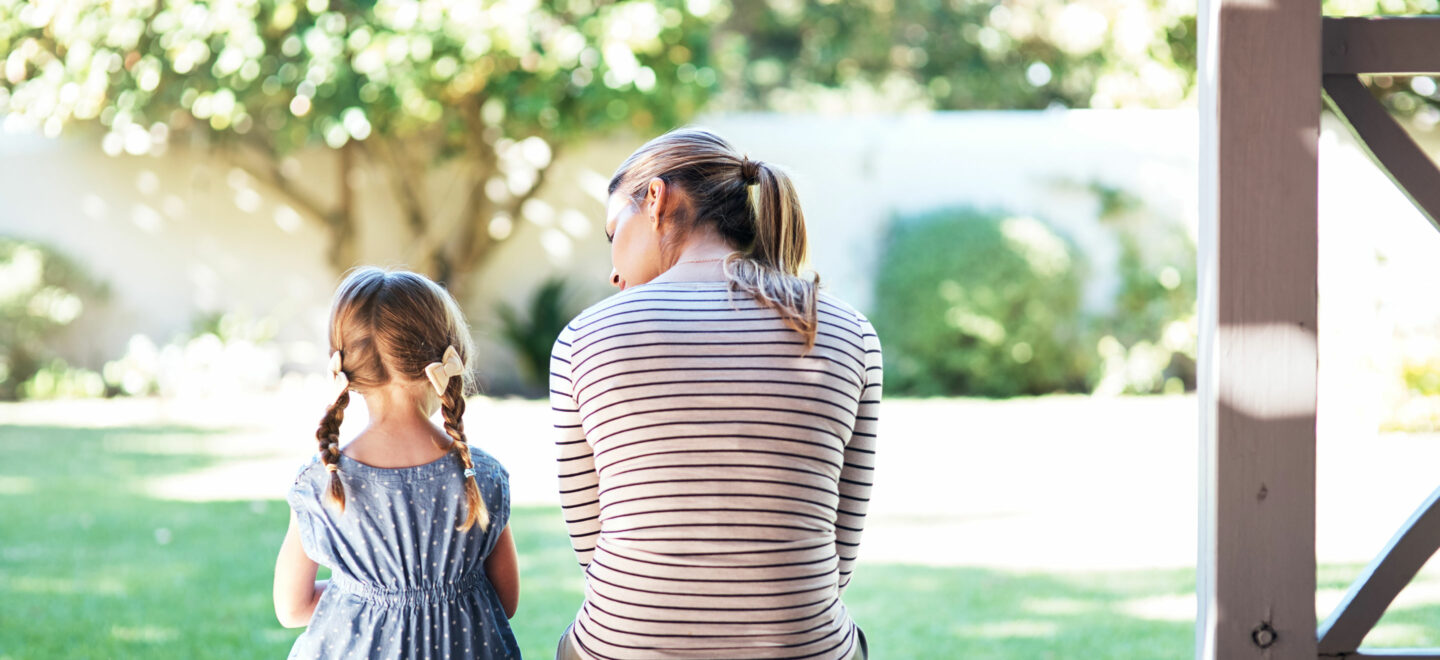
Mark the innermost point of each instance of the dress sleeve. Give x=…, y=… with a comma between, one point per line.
x=305, y=501
x=575, y=460
x=858, y=475
x=497, y=499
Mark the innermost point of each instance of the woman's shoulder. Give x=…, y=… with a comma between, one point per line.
x=639, y=294
x=620, y=300
x=838, y=307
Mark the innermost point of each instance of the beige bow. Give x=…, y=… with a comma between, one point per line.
x=441, y=372
x=341, y=382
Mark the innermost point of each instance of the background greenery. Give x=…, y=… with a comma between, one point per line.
x=987, y=303
x=41, y=294
x=497, y=89
x=983, y=304
x=92, y=567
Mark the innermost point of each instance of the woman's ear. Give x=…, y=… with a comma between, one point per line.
x=659, y=196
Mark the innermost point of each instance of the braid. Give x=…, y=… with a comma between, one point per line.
x=453, y=408
x=329, y=436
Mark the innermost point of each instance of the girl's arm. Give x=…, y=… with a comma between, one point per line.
x=504, y=572
x=296, y=590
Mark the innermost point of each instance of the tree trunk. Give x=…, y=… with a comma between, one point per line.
x=344, y=251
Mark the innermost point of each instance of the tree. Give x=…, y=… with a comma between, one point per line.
x=958, y=54
x=497, y=87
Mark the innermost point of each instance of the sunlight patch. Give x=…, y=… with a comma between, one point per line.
x=66, y=586
x=1420, y=593
x=1326, y=600
x=1004, y=629
x=229, y=481
x=1057, y=606
x=143, y=633
x=1161, y=608
x=16, y=485
x=1397, y=634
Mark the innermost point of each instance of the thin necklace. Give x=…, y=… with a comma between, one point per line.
x=698, y=261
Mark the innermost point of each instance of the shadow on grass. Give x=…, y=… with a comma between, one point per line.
x=92, y=567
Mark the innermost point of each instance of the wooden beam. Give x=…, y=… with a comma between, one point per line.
x=1401, y=45
x=1388, y=574
x=1388, y=144
x=1259, y=133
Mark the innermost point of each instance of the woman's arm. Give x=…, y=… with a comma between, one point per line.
x=858, y=475
x=575, y=464
x=503, y=569
x=296, y=590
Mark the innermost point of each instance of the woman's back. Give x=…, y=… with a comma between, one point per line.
x=714, y=472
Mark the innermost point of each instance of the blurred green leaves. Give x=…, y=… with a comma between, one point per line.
x=532, y=333
x=981, y=304
x=1413, y=97
x=958, y=54
x=404, y=86
x=41, y=293
x=316, y=71
x=978, y=303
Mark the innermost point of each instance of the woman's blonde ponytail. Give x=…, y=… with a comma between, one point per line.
x=779, y=251
x=752, y=204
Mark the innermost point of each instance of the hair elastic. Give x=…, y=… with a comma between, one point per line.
x=749, y=170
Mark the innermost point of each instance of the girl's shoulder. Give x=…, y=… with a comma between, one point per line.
x=307, y=465
x=486, y=464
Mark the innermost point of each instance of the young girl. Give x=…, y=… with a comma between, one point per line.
x=411, y=520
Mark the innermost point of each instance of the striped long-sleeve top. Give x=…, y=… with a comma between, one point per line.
x=714, y=474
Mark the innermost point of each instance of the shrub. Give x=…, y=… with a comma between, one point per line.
x=41, y=292
x=223, y=353
x=981, y=304
x=532, y=334
x=1148, y=339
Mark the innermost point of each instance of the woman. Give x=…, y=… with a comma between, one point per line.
x=717, y=419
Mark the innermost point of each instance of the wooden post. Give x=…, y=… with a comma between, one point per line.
x=1260, y=122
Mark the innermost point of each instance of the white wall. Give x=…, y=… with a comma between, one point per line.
x=855, y=173
x=174, y=236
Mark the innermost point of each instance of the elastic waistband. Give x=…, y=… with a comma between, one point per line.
x=408, y=596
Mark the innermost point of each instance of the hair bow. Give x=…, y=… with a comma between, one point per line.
x=337, y=375
x=441, y=372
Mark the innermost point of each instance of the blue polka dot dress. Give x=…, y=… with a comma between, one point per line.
x=405, y=583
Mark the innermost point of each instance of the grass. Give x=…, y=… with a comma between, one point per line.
x=93, y=567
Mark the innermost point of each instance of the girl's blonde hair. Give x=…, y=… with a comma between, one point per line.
x=393, y=323
x=753, y=205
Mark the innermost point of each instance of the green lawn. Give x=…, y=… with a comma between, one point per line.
x=92, y=567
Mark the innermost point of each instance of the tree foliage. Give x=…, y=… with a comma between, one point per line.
x=501, y=86
x=1414, y=97
x=961, y=54
x=405, y=85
